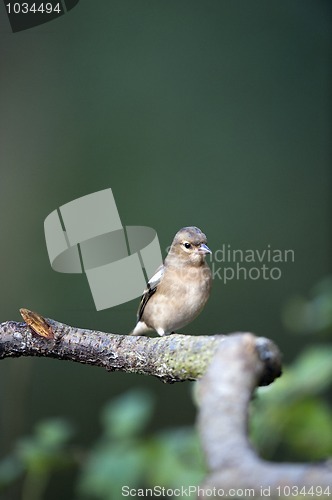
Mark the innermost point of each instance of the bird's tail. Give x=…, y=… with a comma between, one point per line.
x=140, y=329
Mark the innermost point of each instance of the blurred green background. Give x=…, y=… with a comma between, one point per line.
x=215, y=114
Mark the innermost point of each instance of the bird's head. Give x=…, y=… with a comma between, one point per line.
x=189, y=246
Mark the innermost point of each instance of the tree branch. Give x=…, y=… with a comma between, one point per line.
x=230, y=368
x=173, y=358
x=224, y=395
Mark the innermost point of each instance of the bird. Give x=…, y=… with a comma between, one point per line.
x=179, y=289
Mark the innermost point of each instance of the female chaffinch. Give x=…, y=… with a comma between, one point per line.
x=179, y=289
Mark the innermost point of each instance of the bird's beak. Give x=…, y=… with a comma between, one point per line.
x=204, y=249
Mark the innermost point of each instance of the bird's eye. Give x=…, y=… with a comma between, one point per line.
x=187, y=245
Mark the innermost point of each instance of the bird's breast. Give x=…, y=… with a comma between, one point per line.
x=181, y=297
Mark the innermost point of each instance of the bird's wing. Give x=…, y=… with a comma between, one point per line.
x=150, y=290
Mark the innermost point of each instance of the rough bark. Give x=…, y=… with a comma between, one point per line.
x=173, y=358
